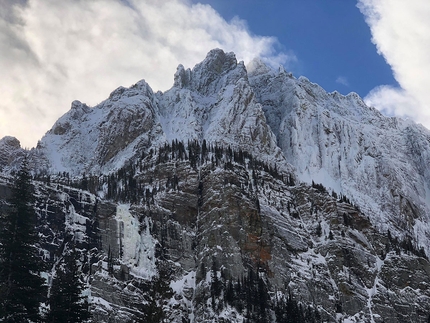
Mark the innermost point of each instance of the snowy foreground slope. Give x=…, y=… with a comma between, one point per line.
x=197, y=203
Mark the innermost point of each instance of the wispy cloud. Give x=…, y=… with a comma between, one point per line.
x=400, y=31
x=53, y=52
x=342, y=80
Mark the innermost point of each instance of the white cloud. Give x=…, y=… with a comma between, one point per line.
x=401, y=33
x=53, y=52
x=392, y=101
x=342, y=80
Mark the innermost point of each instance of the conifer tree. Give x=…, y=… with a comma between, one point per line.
x=67, y=305
x=21, y=286
x=160, y=289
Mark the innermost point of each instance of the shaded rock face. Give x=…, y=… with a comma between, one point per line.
x=196, y=205
x=91, y=140
x=11, y=150
x=230, y=220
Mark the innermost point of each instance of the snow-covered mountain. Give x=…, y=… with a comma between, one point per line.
x=210, y=182
x=213, y=102
x=381, y=163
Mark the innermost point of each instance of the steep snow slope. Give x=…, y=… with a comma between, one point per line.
x=380, y=163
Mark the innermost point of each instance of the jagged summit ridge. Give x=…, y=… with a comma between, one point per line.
x=204, y=76
x=212, y=102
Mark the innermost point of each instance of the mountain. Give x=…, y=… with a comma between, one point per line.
x=242, y=194
x=214, y=102
x=380, y=162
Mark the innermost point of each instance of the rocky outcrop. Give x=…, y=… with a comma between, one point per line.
x=11, y=150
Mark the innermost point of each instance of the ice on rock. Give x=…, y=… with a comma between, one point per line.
x=349, y=147
x=138, y=246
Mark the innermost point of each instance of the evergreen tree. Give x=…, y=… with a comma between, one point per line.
x=160, y=291
x=21, y=286
x=67, y=305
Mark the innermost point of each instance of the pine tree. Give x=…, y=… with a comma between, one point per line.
x=160, y=290
x=67, y=305
x=21, y=286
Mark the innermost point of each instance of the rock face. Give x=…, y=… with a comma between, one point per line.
x=11, y=150
x=352, y=148
x=200, y=204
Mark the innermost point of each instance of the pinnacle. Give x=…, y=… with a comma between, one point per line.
x=217, y=61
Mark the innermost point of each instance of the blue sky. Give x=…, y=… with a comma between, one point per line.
x=53, y=52
x=330, y=39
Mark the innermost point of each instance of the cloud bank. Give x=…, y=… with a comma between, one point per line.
x=401, y=33
x=53, y=52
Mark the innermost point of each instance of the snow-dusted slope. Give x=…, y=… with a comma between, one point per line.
x=102, y=138
x=381, y=163
x=213, y=102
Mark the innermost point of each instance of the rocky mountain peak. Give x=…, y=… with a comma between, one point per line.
x=182, y=77
x=258, y=67
x=216, y=71
x=217, y=62
x=78, y=109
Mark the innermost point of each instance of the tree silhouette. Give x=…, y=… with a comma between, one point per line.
x=67, y=305
x=21, y=286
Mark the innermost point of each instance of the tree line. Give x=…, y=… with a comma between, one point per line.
x=125, y=185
